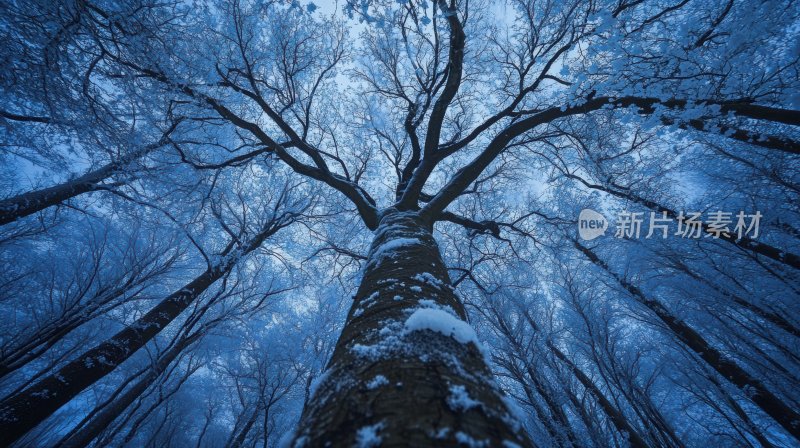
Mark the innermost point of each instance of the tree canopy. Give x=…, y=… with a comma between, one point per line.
x=196, y=197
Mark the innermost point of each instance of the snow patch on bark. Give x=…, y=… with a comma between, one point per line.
x=427, y=277
x=316, y=382
x=510, y=444
x=441, y=433
x=392, y=245
x=459, y=400
x=377, y=382
x=367, y=437
x=371, y=352
x=368, y=301
x=390, y=340
x=442, y=322
x=465, y=439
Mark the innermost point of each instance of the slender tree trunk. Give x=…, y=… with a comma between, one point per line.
x=82, y=436
x=240, y=438
x=769, y=316
x=617, y=418
x=23, y=411
x=615, y=415
x=566, y=434
x=25, y=204
x=752, y=427
x=757, y=391
x=45, y=338
x=406, y=370
x=34, y=201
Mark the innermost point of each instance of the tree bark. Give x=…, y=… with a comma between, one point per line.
x=395, y=381
x=45, y=338
x=22, y=412
x=31, y=202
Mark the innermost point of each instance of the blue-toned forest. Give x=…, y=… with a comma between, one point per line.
x=423, y=223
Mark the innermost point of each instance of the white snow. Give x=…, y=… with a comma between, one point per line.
x=372, y=352
x=442, y=322
x=377, y=382
x=459, y=400
x=427, y=277
x=442, y=433
x=392, y=245
x=465, y=439
x=368, y=301
x=389, y=341
x=367, y=437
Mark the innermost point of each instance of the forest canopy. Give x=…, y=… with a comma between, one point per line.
x=400, y=223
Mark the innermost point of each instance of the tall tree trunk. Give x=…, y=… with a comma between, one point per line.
x=407, y=369
x=23, y=411
x=615, y=415
x=31, y=202
x=48, y=336
x=769, y=316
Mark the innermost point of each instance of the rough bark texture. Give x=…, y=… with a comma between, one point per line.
x=390, y=381
x=31, y=202
x=35, y=201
